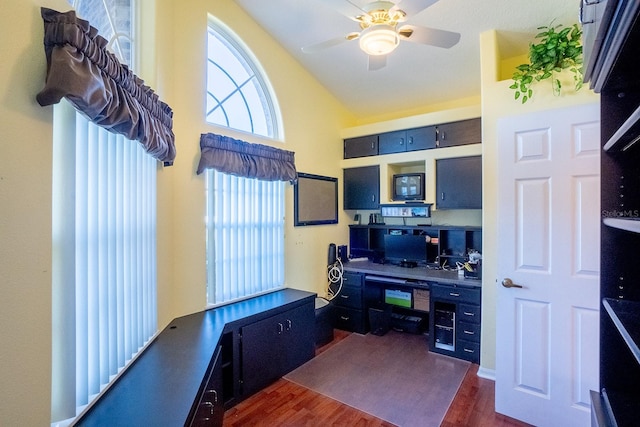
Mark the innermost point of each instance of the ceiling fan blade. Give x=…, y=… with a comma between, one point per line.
x=413, y=7
x=329, y=43
x=377, y=62
x=346, y=8
x=430, y=36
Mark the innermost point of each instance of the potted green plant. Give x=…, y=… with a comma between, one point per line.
x=559, y=48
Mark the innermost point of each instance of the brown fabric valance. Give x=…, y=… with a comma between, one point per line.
x=241, y=158
x=81, y=69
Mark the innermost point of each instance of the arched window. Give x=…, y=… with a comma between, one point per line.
x=238, y=94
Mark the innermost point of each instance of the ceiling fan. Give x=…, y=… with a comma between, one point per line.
x=380, y=28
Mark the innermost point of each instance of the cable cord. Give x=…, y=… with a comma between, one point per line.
x=335, y=275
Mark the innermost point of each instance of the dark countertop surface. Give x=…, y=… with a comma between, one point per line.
x=420, y=273
x=160, y=387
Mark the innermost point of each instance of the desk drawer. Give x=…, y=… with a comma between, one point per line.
x=349, y=319
x=352, y=279
x=453, y=293
x=349, y=296
x=469, y=331
x=469, y=313
x=468, y=350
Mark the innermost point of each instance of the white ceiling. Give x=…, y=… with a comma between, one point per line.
x=415, y=74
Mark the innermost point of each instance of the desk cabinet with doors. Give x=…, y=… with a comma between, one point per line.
x=454, y=324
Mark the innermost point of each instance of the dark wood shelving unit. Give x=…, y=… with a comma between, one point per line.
x=611, y=50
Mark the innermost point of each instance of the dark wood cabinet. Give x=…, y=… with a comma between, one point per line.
x=349, y=304
x=194, y=367
x=392, y=142
x=454, y=324
x=611, y=66
x=447, y=244
x=462, y=132
x=451, y=134
x=362, y=187
x=423, y=138
x=407, y=140
x=459, y=183
x=274, y=346
x=209, y=408
x=361, y=146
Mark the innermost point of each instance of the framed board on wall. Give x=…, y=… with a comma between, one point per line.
x=315, y=200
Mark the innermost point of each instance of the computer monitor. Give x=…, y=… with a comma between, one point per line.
x=405, y=248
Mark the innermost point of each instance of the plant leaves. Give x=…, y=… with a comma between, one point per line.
x=557, y=48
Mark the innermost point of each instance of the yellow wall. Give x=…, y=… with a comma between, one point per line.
x=311, y=119
x=25, y=218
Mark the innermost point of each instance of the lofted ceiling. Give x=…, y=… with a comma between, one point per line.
x=416, y=75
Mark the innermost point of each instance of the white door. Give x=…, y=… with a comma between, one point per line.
x=549, y=244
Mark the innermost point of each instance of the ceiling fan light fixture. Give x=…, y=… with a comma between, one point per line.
x=379, y=39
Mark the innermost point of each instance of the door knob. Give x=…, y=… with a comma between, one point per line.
x=508, y=283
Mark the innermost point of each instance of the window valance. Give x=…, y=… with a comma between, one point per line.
x=235, y=157
x=82, y=70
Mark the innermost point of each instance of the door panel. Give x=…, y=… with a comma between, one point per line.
x=533, y=228
x=532, y=351
x=548, y=243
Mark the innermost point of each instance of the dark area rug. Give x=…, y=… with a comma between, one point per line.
x=393, y=377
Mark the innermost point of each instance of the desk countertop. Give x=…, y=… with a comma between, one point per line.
x=420, y=273
x=160, y=387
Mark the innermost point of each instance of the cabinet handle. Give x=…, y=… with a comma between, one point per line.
x=401, y=141
x=442, y=196
x=372, y=145
x=442, y=135
x=373, y=197
x=344, y=296
x=410, y=140
x=344, y=318
x=288, y=325
x=466, y=313
x=210, y=406
x=469, y=332
x=280, y=328
x=454, y=294
x=469, y=351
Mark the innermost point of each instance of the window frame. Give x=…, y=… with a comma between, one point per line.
x=244, y=55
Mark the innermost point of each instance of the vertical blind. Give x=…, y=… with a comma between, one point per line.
x=245, y=236
x=104, y=287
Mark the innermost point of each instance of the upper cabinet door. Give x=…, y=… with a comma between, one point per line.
x=459, y=183
x=460, y=133
x=361, y=146
x=423, y=138
x=392, y=142
x=362, y=187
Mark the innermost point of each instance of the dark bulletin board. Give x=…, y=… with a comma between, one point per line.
x=315, y=200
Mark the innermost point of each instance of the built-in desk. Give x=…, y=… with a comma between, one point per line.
x=416, y=273
x=453, y=313
x=163, y=386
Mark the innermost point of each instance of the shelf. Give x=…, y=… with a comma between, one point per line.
x=621, y=408
x=626, y=317
x=628, y=224
x=619, y=140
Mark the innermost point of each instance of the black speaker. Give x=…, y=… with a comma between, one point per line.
x=343, y=253
x=331, y=258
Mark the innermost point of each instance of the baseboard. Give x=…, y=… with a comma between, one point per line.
x=489, y=374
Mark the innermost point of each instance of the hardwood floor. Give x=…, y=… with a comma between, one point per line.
x=287, y=404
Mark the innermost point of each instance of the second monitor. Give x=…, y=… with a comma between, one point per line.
x=405, y=249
